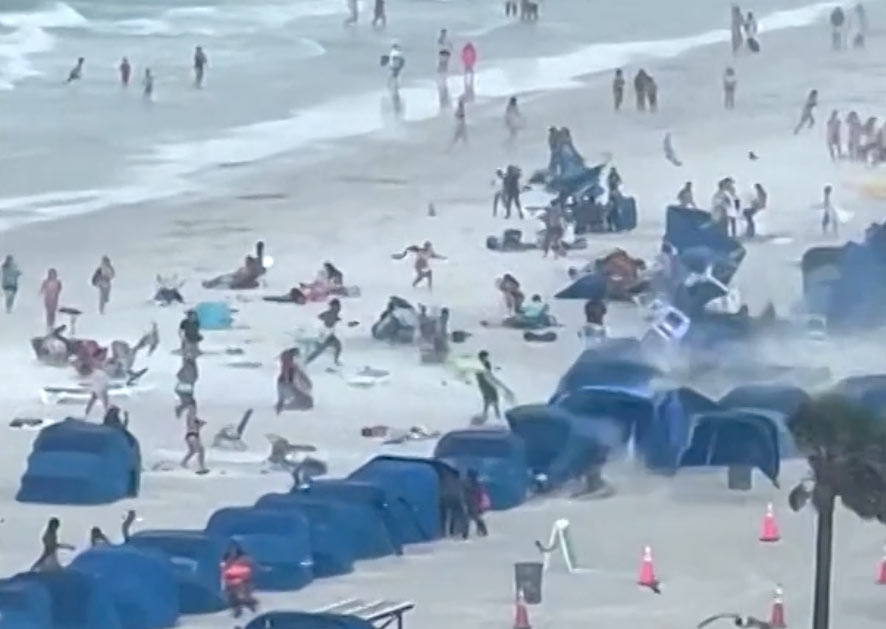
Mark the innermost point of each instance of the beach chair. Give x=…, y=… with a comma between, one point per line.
x=380, y=613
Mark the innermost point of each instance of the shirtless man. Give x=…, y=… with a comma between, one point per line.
x=422, y=265
x=51, y=289
x=201, y=62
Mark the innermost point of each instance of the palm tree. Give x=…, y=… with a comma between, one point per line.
x=845, y=446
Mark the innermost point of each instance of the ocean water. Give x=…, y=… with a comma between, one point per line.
x=284, y=77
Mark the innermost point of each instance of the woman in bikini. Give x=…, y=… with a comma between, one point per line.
x=422, y=264
x=193, y=425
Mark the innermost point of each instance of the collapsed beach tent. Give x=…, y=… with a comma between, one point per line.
x=498, y=456
x=868, y=391
x=690, y=232
x=821, y=272
x=661, y=441
x=858, y=298
x=196, y=558
x=277, y=542
x=140, y=582
x=781, y=398
x=303, y=620
x=76, y=462
x=398, y=520
x=333, y=538
x=616, y=362
x=416, y=483
x=733, y=438
x=24, y=605
x=559, y=445
x=588, y=286
x=76, y=600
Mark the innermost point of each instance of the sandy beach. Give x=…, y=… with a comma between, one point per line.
x=371, y=200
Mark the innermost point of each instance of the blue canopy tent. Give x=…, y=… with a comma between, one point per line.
x=303, y=620
x=586, y=286
x=141, y=584
x=858, y=298
x=366, y=533
x=277, y=542
x=416, y=482
x=733, y=437
x=868, y=391
x=333, y=536
x=24, y=605
x=661, y=441
x=77, y=600
x=76, y=462
x=559, y=446
x=616, y=362
x=498, y=456
x=821, y=273
x=782, y=398
x=396, y=517
x=689, y=229
x=195, y=558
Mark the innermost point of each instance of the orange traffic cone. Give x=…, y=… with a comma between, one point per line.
x=776, y=616
x=646, y=576
x=521, y=614
x=881, y=577
x=769, y=527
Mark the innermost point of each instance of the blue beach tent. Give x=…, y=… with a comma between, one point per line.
x=76, y=600
x=868, y=391
x=141, y=583
x=24, y=605
x=397, y=519
x=333, y=532
x=80, y=463
x=498, y=456
x=196, y=559
x=277, y=542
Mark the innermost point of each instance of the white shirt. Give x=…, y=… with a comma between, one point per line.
x=99, y=382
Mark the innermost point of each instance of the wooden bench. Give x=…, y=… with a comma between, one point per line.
x=380, y=613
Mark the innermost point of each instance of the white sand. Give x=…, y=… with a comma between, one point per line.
x=704, y=538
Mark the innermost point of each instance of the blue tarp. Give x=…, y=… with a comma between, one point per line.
x=396, y=516
x=77, y=600
x=277, y=542
x=361, y=523
x=413, y=482
x=195, y=558
x=24, y=605
x=559, y=446
x=868, y=391
x=858, y=298
x=76, y=462
x=141, y=583
x=498, y=456
x=689, y=230
x=303, y=620
x=733, y=437
x=333, y=537
x=587, y=286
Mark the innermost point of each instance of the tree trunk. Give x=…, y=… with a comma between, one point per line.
x=823, y=498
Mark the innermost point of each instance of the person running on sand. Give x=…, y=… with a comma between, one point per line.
x=98, y=384
x=461, y=123
x=294, y=388
x=379, y=16
x=806, y=115
x=835, y=147
x=329, y=318
x=189, y=333
x=51, y=289
x=513, y=119
x=422, y=265
x=76, y=72
x=201, y=62
x=148, y=85
x=9, y=275
x=641, y=81
x=125, y=70
x=685, y=197
x=48, y=560
x=730, y=82
x=193, y=426
x=101, y=279
x=618, y=89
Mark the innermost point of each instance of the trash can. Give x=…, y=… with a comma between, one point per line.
x=739, y=477
x=528, y=577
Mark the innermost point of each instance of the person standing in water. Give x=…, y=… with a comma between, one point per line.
x=730, y=82
x=618, y=89
x=51, y=289
x=125, y=70
x=641, y=82
x=461, y=123
x=101, y=279
x=423, y=256
x=379, y=16
x=806, y=115
x=76, y=72
x=833, y=136
x=148, y=85
x=201, y=62
x=9, y=275
x=513, y=119
x=193, y=426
